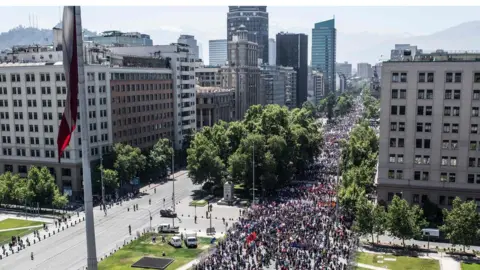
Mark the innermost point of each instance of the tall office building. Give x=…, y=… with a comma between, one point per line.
x=344, y=68
x=217, y=50
x=364, y=70
x=243, y=73
x=272, y=52
x=292, y=51
x=117, y=38
x=429, y=127
x=255, y=19
x=192, y=43
x=324, y=51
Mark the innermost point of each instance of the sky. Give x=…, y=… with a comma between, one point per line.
x=165, y=23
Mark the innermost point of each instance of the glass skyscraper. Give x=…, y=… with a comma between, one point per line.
x=255, y=19
x=324, y=51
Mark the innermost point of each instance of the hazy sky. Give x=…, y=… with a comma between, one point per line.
x=210, y=22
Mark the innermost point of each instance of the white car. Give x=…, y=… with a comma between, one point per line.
x=176, y=242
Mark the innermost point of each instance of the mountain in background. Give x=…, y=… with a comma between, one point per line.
x=463, y=37
x=28, y=36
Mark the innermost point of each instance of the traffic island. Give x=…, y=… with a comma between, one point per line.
x=129, y=255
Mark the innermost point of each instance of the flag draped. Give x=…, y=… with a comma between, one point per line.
x=70, y=66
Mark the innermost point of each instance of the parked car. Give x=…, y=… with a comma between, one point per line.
x=168, y=213
x=176, y=242
x=166, y=228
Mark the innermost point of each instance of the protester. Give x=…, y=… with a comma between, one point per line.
x=302, y=228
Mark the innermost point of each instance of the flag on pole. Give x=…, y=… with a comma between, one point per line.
x=70, y=66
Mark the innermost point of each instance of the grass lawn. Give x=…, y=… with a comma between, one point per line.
x=128, y=255
x=470, y=266
x=5, y=237
x=199, y=203
x=11, y=223
x=401, y=263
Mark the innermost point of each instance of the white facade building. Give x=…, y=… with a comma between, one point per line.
x=318, y=86
x=364, y=70
x=32, y=100
x=183, y=68
x=272, y=52
x=429, y=129
x=217, y=50
x=192, y=43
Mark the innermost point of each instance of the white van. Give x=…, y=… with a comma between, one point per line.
x=190, y=239
x=176, y=242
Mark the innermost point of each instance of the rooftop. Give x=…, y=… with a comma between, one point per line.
x=212, y=90
x=440, y=56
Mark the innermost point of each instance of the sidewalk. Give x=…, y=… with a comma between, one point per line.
x=155, y=185
x=367, y=266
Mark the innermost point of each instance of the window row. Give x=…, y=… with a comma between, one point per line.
x=148, y=97
x=428, y=77
x=396, y=158
x=141, y=87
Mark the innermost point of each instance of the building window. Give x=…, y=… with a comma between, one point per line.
x=403, y=77
x=421, y=77
x=401, y=126
x=429, y=94
x=476, y=95
x=453, y=161
x=456, y=94
x=394, y=93
x=443, y=177
x=444, y=161
x=441, y=200
x=393, y=126
x=399, y=174
x=421, y=94
x=454, y=128
x=392, y=158
x=451, y=177
x=458, y=77
x=420, y=110
x=403, y=93
x=419, y=127
x=391, y=174
x=428, y=110
x=473, y=145
x=400, y=158
x=448, y=94
x=418, y=143
x=66, y=172
x=393, y=110
x=471, y=179
x=428, y=127
x=474, y=129
x=446, y=128
x=447, y=111
x=449, y=77
x=416, y=198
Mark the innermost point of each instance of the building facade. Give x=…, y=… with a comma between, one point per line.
x=324, y=51
x=183, y=76
x=142, y=106
x=344, y=68
x=364, y=70
x=117, y=38
x=400, y=49
x=272, y=52
x=33, y=97
x=273, y=82
x=217, y=50
x=255, y=20
x=292, y=51
x=214, y=104
x=243, y=73
x=192, y=44
x=318, y=87
x=429, y=137
x=211, y=76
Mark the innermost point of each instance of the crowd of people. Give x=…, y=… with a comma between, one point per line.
x=303, y=228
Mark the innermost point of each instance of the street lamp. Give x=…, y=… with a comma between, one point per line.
x=253, y=174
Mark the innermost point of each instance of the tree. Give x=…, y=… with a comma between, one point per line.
x=404, y=222
x=203, y=161
x=110, y=179
x=59, y=200
x=129, y=161
x=379, y=220
x=7, y=187
x=461, y=223
x=160, y=157
x=41, y=185
x=365, y=221
x=348, y=197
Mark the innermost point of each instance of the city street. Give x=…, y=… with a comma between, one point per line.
x=67, y=250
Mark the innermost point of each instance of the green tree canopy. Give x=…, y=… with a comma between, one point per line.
x=462, y=223
x=404, y=221
x=129, y=161
x=285, y=143
x=160, y=156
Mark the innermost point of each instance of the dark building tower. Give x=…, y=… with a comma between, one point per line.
x=324, y=51
x=292, y=51
x=255, y=19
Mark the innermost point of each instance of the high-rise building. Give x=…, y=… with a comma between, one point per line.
x=255, y=19
x=318, y=86
x=217, y=50
x=192, y=43
x=117, y=38
x=324, y=51
x=429, y=128
x=364, y=70
x=344, y=68
x=292, y=51
x=243, y=73
x=272, y=52
x=273, y=82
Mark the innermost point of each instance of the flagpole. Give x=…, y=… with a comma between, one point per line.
x=87, y=176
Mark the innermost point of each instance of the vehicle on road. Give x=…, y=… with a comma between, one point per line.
x=168, y=213
x=190, y=239
x=166, y=228
x=175, y=242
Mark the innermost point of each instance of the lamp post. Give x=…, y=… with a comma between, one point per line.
x=253, y=174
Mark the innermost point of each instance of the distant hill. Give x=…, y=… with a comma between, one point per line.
x=28, y=36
